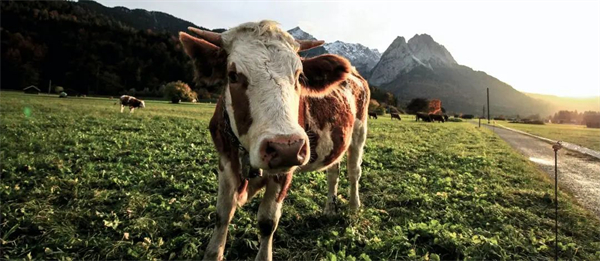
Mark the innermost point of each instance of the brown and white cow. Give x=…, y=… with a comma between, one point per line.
x=278, y=114
x=130, y=101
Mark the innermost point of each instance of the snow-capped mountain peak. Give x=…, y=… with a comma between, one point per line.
x=361, y=57
x=299, y=34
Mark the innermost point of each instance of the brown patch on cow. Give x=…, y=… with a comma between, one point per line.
x=223, y=143
x=313, y=137
x=285, y=181
x=238, y=85
x=323, y=74
x=362, y=94
x=334, y=111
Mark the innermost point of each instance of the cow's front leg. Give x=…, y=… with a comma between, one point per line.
x=226, y=204
x=122, y=107
x=333, y=174
x=131, y=109
x=269, y=213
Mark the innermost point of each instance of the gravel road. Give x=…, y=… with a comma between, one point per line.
x=578, y=173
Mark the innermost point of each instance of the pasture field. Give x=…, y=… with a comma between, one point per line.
x=576, y=134
x=80, y=181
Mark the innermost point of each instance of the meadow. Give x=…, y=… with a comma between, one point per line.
x=576, y=134
x=81, y=181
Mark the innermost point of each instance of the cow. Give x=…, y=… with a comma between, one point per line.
x=395, y=116
x=436, y=117
x=445, y=117
x=132, y=102
x=423, y=117
x=279, y=115
x=372, y=115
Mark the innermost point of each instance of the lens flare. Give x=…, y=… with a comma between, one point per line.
x=27, y=112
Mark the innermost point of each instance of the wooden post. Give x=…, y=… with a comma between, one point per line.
x=488, y=104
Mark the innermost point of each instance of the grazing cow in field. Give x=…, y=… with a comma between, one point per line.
x=436, y=117
x=445, y=117
x=130, y=101
x=423, y=117
x=395, y=116
x=372, y=115
x=279, y=115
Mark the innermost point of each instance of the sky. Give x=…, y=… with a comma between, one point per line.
x=547, y=47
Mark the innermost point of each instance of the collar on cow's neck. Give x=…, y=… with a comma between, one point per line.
x=247, y=170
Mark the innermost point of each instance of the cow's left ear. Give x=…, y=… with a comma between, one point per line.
x=322, y=72
x=210, y=60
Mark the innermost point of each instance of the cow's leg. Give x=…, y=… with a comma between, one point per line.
x=355, y=154
x=333, y=174
x=226, y=205
x=131, y=109
x=269, y=212
x=122, y=107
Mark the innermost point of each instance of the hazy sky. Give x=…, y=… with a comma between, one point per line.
x=549, y=47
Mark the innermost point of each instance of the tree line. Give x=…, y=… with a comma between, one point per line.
x=87, y=52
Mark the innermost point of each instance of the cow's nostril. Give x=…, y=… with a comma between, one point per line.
x=302, y=152
x=270, y=150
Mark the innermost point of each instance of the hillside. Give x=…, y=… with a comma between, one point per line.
x=76, y=46
x=569, y=103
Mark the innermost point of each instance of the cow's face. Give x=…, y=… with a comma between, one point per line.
x=263, y=79
x=142, y=104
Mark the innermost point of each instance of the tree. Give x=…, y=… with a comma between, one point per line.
x=417, y=105
x=179, y=89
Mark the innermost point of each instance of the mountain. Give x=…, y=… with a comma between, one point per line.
x=423, y=68
x=568, y=103
x=361, y=57
x=299, y=34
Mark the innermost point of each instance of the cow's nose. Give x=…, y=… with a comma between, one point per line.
x=284, y=151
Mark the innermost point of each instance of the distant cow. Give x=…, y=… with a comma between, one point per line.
x=372, y=115
x=436, y=117
x=130, y=101
x=445, y=117
x=423, y=117
x=395, y=116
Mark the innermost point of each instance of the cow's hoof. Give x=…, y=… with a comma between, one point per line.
x=354, y=205
x=331, y=207
x=330, y=210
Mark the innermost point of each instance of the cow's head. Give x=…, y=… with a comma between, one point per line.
x=263, y=78
x=142, y=104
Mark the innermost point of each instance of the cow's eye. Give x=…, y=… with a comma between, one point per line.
x=233, y=77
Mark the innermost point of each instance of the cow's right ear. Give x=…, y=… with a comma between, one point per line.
x=210, y=60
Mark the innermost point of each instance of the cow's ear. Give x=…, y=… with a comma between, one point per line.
x=210, y=61
x=322, y=72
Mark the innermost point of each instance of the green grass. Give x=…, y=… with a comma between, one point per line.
x=577, y=134
x=77, y=175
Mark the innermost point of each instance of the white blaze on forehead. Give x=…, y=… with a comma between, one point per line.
x=267, y=56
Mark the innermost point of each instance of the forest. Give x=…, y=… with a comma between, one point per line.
x=86, y=52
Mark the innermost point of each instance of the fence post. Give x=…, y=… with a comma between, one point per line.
x=556, y=147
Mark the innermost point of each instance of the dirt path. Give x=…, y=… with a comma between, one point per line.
x=578, y=173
